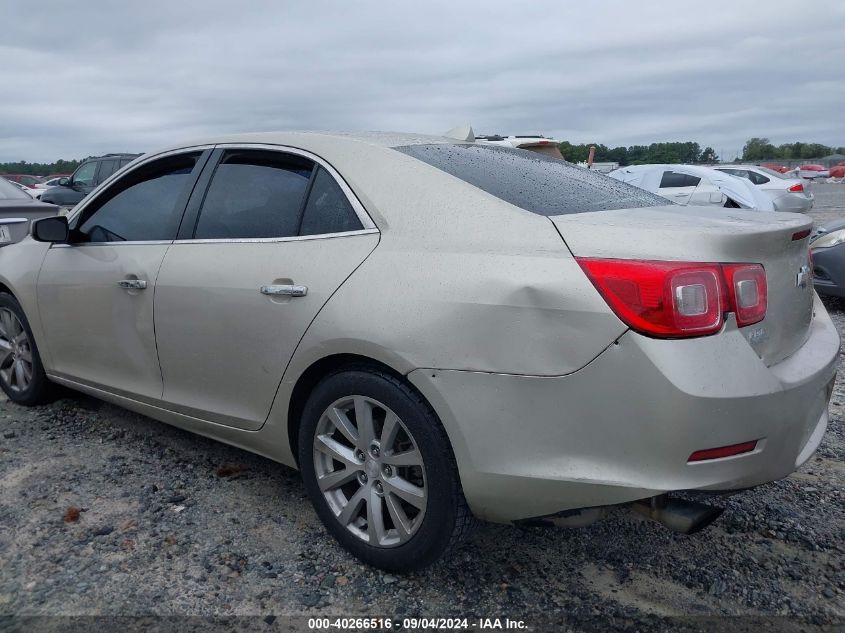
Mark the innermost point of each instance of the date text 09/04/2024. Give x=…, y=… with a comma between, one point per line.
x=412, y=624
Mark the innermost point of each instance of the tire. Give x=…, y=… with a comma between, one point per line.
x=22, y=376
x=406, y=537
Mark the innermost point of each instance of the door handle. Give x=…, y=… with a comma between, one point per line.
x=132, y=284
x=285, y=291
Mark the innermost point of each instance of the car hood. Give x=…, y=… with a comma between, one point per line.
x=834, y=225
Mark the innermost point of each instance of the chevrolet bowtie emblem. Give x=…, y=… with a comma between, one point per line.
x=803, y=277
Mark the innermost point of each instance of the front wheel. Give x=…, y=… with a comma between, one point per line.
x=380, y=472
x=22, y=375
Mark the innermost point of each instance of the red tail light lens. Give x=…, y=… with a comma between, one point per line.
x=748, y=290
x=797, y=188
x=678, y=299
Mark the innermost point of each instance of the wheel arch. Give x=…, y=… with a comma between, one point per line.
x=318, y=370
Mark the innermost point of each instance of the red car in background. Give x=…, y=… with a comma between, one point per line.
x=24, y=179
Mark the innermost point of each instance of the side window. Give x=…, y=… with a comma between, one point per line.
x=757, y=179
x=328, y=209
x=673, y=179
x=144, y=205
x=255, y=194
x=85, y=174
x=107, y=168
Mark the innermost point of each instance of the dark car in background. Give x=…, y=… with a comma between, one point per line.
x=86, y=177
x=827, y=246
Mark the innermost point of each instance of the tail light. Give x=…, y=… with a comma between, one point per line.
x=796, y=188
x=678, y=299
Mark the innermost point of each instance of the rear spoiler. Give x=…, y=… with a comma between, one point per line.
x=13, y=230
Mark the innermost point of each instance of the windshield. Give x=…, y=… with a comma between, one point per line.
x=8, y=191
x=532, y=181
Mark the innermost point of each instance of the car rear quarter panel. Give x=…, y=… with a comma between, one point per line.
x=460, y=280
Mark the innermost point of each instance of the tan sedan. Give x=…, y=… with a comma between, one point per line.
x=431, y=330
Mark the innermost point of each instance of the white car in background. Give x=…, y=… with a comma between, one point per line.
x=694, y=185
x=787, y=193
x=534, y=143
x=40, y=188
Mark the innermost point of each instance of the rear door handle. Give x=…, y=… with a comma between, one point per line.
x=132, y=284
x=285, y=291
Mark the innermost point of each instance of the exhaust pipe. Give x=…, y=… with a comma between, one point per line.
x=679, y=515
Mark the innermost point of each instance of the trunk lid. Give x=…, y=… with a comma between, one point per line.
x=705, y=234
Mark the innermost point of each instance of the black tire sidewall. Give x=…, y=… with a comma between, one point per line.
x=433, y=537
x=38, y=389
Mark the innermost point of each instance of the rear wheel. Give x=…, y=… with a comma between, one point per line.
x=380, y=471
x=22, y=375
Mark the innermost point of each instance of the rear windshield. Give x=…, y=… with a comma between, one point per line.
x=537, y=183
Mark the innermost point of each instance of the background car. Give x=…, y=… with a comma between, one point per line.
x=24, y=179
x=85, y=179
x=16, y=203
x=694, y=185
x=787, y=194
x=827, y=246
x=812, y=171
x=781, y=169
x=532, y=142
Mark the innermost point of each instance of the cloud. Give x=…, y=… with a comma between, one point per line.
x=97, y=77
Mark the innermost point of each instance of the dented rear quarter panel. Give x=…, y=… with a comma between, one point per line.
x=460, y=280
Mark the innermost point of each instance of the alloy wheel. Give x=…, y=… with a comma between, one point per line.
x=16, y=368
x=370, y=471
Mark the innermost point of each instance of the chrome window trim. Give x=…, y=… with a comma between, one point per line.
x=245, y=240
x=126, y=243
x=270, y=240
x=360, y=211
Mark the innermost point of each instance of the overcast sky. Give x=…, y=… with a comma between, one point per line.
x=80, y=78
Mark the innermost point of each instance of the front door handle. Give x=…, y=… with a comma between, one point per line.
x=132, y=284
x=284, y=290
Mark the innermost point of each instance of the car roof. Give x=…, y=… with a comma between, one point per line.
x=309, y=140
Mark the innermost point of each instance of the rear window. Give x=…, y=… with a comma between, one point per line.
x=674, y=179
x=531, y=181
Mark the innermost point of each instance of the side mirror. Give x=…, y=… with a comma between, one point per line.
x=64, y=182
x=52, y=229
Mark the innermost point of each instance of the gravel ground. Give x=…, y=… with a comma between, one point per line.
x=106, y=512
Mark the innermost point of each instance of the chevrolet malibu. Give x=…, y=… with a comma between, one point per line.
x=432, y=331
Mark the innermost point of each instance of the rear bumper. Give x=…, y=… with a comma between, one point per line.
x=623, y=427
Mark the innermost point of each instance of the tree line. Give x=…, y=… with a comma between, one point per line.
x=683, y=152
x=755, y=149
x=761, y=149
x=41, y=169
